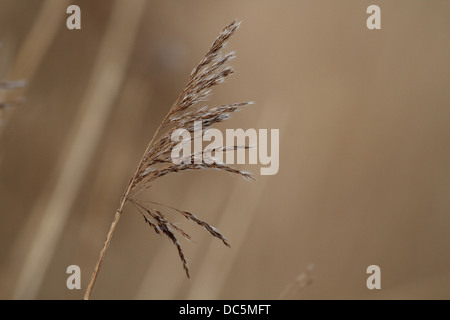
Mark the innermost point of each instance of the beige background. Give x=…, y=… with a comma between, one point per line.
x=364, y=149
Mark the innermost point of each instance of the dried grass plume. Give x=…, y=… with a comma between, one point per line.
x=156, y=161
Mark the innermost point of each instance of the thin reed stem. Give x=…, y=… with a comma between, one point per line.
x=102, y=254
x=116, y=219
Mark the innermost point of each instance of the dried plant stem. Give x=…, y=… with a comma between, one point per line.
x=102, y=254
x=123, y=201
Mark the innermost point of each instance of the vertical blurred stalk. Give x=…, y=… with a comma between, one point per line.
x=38, y=40
x=96, y=104
x=35, y=46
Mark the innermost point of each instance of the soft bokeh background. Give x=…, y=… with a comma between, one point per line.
x=364, y=119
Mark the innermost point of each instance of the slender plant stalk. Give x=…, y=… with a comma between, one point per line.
x=102, y=253
x=157, y=161
x=116, y=219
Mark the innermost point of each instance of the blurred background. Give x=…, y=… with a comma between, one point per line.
x=364, y=149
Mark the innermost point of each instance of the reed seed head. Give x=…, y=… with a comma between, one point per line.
x=184, y=114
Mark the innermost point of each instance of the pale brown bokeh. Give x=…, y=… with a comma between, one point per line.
x=364, y=149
